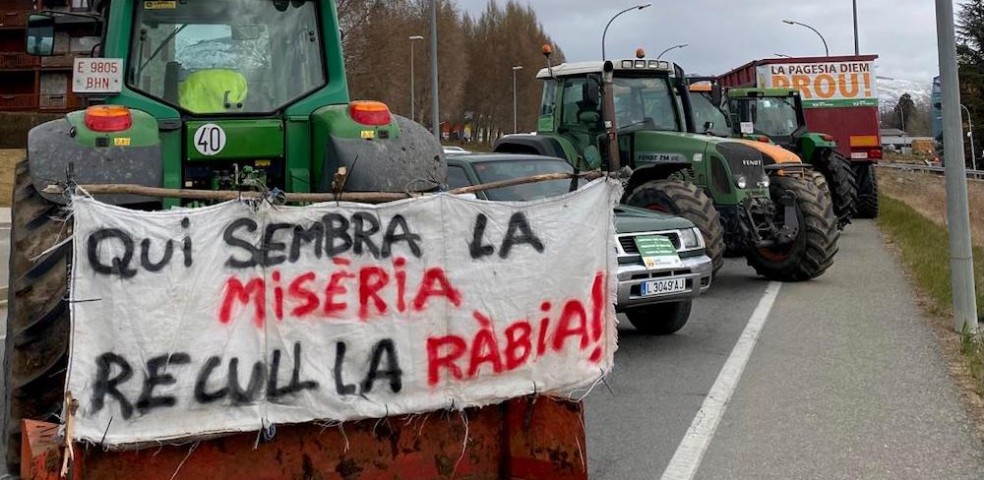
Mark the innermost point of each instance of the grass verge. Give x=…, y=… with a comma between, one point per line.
x=924, y=248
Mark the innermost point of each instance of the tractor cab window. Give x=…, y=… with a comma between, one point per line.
x=226, y=56
x=774, y=117
x=575, y=109
x=705, y=111
x=645, y=101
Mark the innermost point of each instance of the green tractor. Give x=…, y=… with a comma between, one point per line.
x=778, y=115
x=195, y=94
x=605, y=115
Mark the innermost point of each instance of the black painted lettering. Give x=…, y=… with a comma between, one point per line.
x=340, y=386
x=119, y=265
x=314, y=234
x=158, y=376
x=475, y=247
x=295, y=385
x=392, y=370
x=186, y=250
x=149, y=265
x=519, y=232
x=271, y=249
x=229, y=236
x=201, y=383
x=336, y=229
x=256, y=377
x=364, y=226
x=398, y=231
x=107, y=385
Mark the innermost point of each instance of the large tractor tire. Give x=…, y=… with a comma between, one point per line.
x=813, y=250
x=36, y=347
x=688, y=201
x=821, y=182
x=843, y=187
x=867, y=190
x=661, y=318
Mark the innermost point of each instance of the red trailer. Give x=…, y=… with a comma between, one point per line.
x=840, y=99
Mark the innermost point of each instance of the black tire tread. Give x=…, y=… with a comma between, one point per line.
x=868, y=192
x=686, y=200
x=843, y=188
x=816, y=245
x=36, y=347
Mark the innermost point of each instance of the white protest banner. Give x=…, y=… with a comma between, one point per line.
x=234, y=317
x=824, y=84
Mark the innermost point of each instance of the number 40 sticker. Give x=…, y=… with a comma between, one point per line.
x=210, y=139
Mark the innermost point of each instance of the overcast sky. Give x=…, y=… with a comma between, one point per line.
x=727, y=34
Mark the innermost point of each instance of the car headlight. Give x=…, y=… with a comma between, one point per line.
x=741, y=181
x=691, y=238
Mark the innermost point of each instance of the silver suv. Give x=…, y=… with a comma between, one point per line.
x=657, y=285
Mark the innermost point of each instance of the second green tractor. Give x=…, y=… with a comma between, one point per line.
x=637, y=115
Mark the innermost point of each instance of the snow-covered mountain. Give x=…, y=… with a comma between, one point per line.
x=889, y=91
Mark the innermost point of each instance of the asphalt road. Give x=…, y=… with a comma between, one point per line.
x=846, y=380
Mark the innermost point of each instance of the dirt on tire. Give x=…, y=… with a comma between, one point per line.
x=813, y=250
x=688, y=201
x=36, y=350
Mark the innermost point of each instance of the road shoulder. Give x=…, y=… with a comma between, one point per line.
x=848, y=381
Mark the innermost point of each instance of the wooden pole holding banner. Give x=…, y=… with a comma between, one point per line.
x=359, y=197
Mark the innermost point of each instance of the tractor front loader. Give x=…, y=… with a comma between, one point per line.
x=215, y=95
x=783, y=224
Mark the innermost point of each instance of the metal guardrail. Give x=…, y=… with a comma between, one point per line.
x=973, y=175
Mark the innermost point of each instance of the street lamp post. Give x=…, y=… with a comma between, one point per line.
x=970, y=135
x=435, y=84
x=857, y=48
x=515, y=103
x=682, y=45
x=793, y=22
x=413, y=103
x=605, y=34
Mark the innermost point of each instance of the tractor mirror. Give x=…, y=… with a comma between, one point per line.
x=591, y=92
x=40, y=35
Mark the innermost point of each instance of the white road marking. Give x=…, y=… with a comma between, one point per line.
x=690, y=452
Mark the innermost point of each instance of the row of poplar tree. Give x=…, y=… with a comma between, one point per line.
x=476, y=56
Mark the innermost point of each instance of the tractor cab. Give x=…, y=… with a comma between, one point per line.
x=655, y=127
x=640, y=112
x=774, y=113
x=219, y=94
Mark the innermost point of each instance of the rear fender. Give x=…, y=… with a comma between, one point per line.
x=546, y=145
x=132, y=156
x=651, y=172
x=399, y=157
x=812, y=144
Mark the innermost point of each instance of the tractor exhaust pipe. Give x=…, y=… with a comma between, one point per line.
x=608, y=114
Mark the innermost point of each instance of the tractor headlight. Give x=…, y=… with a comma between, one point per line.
x=766, y=182
x=741, y=181
x=691, y=238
